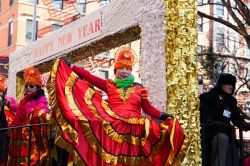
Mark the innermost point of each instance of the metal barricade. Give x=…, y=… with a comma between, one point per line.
x=234, y=153
x=29, y=144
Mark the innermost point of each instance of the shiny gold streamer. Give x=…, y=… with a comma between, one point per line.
x=182, y=72
x=67, y=128
x=19, y=87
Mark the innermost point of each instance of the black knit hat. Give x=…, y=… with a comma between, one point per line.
x=226, y=78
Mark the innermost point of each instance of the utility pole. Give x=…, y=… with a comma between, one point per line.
x=34, y=22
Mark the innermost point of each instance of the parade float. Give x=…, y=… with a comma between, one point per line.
x=167, y=30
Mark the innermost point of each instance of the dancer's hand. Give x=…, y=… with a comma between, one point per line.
x=7, y=102
x=164, y=116
x=70, y=64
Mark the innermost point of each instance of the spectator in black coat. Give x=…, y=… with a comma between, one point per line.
x=218, y=108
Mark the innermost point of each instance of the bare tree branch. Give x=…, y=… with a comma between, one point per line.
x=242, y=85
x=245, y=116
x=245, y=11
x=220, y=20
x=241, y=26
x=241, y=17
x=239, y=12
x=225, y=56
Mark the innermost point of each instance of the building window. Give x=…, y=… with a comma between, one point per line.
x=220, y=41
x=104, y=74
x=233, y=68
x=10, y=33
x=200, y=49
x=0, y=5
x=200, y=23
x=104, y=55
x=248, y=77
x=32, y=1
x=233, y=43
x=58, y=4
x=200, y=79
x=81, y=7
x=29, y=30
x=28, y=36
x=11, y=2
x=220, y=10
x=103, y=2
x=247, y=53
x=200, y=2
x=200, y=82
x=55, y=27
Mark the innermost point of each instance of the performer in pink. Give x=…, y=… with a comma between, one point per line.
x=32, y=110
x=96, y=132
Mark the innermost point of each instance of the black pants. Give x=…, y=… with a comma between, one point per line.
x=4, y=147
x=62, y=157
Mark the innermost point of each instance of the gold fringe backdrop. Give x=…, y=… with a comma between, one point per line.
x=182, y=71
x=19, y=86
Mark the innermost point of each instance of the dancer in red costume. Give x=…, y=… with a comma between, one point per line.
x=95, y=132
x=32, y=110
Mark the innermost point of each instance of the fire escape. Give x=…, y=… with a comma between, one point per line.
x=93, y=63
x=59, y=10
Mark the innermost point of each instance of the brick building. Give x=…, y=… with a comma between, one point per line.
x=16, y=19
x=227, y=46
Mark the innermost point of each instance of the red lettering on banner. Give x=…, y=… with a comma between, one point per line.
x=85, y=30
x=65, y=39
x=89, y=28
x=44, y=49
x=97, y=25
x=79, y=32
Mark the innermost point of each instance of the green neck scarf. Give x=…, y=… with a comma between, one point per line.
x=124, y=83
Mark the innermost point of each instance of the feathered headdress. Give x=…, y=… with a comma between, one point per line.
x=125, y=58
x=32, y=76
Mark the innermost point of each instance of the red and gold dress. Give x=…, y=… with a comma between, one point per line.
x=97, y=132
x=4, y=139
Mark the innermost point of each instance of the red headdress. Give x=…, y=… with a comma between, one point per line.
x=32, y=76
x=125, y=58
x=3, y=82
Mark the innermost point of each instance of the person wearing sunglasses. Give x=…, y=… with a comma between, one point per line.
x=31, y=88
x=32, y=110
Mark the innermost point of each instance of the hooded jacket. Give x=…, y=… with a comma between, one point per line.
x=213, y=105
